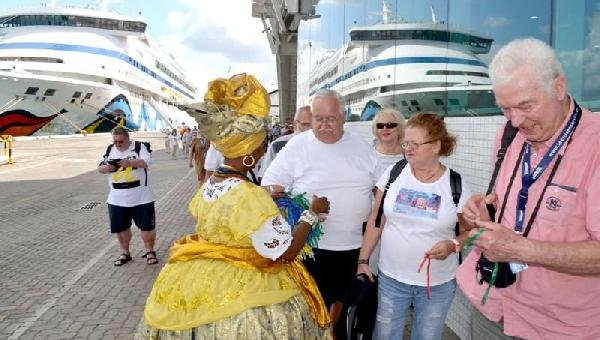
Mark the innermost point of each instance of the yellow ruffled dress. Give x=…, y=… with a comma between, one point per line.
x=216, y=286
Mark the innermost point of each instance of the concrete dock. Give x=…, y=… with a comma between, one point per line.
x=56, y=252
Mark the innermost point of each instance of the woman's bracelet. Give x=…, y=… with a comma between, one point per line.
x=363, y=261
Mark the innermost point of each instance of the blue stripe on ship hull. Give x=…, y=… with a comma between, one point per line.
x=98, y=51
x=399, y=61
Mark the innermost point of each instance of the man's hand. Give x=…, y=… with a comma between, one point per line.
x=276, y=191
x=475, y=210
x=105, y=168
x=124, y=163
x=498, y=243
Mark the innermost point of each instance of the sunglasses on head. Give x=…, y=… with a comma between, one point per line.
x=386, y=125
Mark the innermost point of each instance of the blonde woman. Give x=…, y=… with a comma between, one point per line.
x=388, y=129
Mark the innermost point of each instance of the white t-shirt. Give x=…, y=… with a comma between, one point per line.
x=387, y=160
x=345, y=172
x=272, y=152
x=138, y=195
x=418, y=215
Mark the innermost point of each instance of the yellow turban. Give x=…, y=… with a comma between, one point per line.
x=233, y=114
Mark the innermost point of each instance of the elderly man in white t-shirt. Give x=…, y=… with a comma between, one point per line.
x=328, y=161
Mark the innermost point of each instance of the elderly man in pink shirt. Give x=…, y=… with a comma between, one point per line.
x=554, y=163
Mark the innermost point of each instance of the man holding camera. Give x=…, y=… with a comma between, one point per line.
x=546, y=198
x=130, y=197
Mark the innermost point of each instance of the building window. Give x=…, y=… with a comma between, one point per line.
x=32, y=90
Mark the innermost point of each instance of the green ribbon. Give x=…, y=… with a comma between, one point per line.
x=468, y=245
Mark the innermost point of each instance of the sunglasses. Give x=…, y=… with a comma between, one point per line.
x=386, y=125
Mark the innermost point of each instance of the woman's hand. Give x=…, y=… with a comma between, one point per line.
x=441, y=250
x=320, y=205
x=365, y=269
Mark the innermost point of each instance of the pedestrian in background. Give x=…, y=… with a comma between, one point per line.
x=130, y=197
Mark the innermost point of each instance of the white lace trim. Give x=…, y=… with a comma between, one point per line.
x=214, y=191
x=273, y=238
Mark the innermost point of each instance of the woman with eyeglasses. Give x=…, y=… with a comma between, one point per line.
x=416, y=230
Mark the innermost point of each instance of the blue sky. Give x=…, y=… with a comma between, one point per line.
x=208, y=38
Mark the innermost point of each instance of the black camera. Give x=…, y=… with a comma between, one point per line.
x=114, y=162
x=504, y=277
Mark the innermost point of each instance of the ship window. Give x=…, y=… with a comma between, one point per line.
x=453, y=101
x=414, y=102
x=32, y=90
x=72, y=100
x=438, y=101
x=404, y=103
x=77, y=94
x=88, y=95
x=49, y=92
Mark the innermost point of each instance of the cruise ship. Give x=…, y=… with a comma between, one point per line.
x=410, y=66
x=66, y=70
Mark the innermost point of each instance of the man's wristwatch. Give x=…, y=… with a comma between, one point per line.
x=309, y=217
x=456, y=245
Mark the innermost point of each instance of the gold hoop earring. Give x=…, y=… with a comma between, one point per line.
x=252, y=161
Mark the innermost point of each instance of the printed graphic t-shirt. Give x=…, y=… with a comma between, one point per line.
x=418, y=215
x=141, y=194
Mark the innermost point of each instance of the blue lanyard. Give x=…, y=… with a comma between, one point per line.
x=529, y=178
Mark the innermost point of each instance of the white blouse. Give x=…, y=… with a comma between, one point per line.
x=272, y=239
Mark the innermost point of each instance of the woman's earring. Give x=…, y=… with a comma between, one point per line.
x=252, y=161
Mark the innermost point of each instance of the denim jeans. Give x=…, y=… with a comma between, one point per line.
x=429, y=316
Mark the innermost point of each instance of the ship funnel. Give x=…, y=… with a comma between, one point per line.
x=104, y=5
x=385, y=13
x=433, y=15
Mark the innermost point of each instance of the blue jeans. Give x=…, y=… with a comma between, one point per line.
x=429, y=316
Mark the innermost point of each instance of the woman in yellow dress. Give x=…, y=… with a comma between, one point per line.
x=238, y=276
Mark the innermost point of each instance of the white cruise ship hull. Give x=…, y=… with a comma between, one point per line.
x=88, y=77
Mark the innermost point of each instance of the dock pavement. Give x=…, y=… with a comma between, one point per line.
x=56, y=252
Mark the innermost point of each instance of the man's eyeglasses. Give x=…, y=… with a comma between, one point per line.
x=414, y=145
x=386, y=125
x=330, y=119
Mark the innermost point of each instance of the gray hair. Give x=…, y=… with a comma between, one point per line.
x=323, y=93
x=300, y=109
x=535, y=54
x=121, y=131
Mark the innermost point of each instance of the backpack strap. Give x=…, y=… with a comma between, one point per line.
x=108, y=149
x=137, y=147
x=394, y=173
x=456, y=188
x=508, y=135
